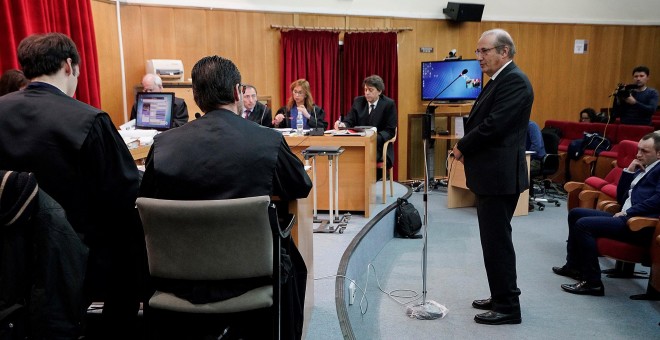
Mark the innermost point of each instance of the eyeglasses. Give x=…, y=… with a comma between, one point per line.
x=300, y=93
x=484, y=51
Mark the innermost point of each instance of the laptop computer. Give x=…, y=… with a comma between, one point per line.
x=154, y=110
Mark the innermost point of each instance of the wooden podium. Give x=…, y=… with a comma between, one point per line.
x=357, y=169
x=460, y=196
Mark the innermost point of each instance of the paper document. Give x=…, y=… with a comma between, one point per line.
x=459, y=129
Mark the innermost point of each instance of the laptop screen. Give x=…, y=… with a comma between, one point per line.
x=154, y=110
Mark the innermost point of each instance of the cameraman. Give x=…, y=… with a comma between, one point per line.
x=637, y=105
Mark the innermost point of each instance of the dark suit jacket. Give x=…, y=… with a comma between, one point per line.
x=221, y=156
x=384, y=118
x=495, y=133
x=645, y=195
x=261, y=115
x=317, y=119
x=180, y=112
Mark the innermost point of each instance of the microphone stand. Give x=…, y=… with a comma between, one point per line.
x=428, y=120
x=428, y=309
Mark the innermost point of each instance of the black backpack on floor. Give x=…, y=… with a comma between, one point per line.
x=407, y=221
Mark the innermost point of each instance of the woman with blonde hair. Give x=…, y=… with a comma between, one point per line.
x=300, y=102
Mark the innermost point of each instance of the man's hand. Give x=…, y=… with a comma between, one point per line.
x=457, y=153
x=636, y=165
x=278, y=119
x=339, y=124
x=620, y=214
x=631, y=100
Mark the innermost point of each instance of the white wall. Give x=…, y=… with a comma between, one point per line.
x=625, y=12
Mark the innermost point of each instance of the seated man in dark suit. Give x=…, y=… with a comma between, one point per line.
x=153, y=83
x=223, y=156
x=374, y=109
x=254, y=110
x=639, y=190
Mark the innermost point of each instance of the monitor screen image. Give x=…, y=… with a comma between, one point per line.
x=154, y=110
x=436, y=75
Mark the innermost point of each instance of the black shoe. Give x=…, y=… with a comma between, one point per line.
x=485, y=304
x=568, y=272
x=495, y=318
x=585, y=288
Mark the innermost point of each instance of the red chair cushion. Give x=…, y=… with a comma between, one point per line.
x=622, y=251
x=379, y=165
x=595, y=182
x=626, y=153
x=609, y=190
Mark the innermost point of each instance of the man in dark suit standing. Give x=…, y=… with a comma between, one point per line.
x=374, y=109
x=493, y=151
x=254, y=110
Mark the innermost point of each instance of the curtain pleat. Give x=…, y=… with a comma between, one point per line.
x=313, y=56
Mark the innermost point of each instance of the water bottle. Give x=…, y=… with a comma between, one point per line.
x=299, y=124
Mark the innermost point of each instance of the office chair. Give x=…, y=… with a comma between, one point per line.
x=385, y=169
x=207, y=241
x=549, y=166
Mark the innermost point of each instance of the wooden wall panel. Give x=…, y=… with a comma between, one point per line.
x=107, y=46
x=134, y=50
x=564, y=82
x=188, y=39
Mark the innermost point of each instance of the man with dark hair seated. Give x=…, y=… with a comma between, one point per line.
x=639, y=189
x=223, y=156
x=79, y=159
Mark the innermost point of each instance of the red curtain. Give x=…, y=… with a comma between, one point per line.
x=366, y=54
x=313, y=56
x=20, y=18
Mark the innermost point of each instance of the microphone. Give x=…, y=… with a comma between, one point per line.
x=317, y=131
x=427, y=119
x=197, y=115
x=428, y=107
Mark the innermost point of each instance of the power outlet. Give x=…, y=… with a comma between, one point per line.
x=351, y=291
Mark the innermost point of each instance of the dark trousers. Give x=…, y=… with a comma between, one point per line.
x=584, y=227
x=494, y=214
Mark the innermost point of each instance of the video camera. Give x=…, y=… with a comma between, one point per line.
x=623, y=91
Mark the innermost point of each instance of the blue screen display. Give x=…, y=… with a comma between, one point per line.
x=154, y=110
x=436, y=75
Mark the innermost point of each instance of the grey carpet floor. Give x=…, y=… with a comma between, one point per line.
x=456, y=277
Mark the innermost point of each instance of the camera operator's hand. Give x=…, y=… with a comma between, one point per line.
x=630, y=100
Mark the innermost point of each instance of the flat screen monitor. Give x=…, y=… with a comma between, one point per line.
x=436, y=75
x=154, y=110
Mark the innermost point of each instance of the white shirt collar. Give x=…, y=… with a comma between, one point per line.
x=500, y=70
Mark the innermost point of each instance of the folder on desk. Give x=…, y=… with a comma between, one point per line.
x=349, y=132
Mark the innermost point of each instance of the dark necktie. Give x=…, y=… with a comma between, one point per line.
x=371, y=108
x=247, y=113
